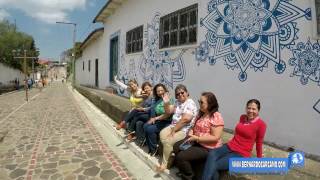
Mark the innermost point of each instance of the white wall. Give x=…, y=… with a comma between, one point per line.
x=290, y=104
x=80, y=74
x=57, y=71
x=8, y=74
x=91, y=52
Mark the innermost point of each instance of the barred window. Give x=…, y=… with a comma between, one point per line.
x=134, y=40
x=179, y=28
x=317, y=3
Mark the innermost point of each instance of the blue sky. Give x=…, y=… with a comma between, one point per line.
x=37, y=18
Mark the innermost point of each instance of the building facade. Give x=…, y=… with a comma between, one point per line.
x=264, y=49
x=90, y=69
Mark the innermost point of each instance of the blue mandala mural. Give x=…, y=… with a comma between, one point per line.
x=249, y=33
x=316, y=107
x=154, y=65
x=202, y=52
x=306, y=62
x=160, y=66
x=125, y=72
x=123, y=76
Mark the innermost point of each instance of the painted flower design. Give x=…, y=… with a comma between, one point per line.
x=202, y=52
x=244, y=32
x=244, y=22
x=306, y=62
x=156, y=66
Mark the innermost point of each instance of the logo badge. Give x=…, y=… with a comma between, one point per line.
x=296, y=159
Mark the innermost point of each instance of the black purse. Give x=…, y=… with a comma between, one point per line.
x=185, y=145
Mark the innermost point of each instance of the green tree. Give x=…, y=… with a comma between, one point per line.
x=11, y=39
x=69, y=52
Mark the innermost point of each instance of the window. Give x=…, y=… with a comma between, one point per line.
x=134, y=40
x=179, y=28
x=89, y=64
x=317, y=3
x=83, y=66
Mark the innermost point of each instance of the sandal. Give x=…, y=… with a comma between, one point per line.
x=161, y=168
x=121, y=125
x=131, y=137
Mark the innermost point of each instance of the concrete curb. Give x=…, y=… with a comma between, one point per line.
x=111, y=105
x=143, y=156
x=11, y=92
x=152, y=162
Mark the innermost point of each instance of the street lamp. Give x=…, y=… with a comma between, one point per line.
x=74, y=49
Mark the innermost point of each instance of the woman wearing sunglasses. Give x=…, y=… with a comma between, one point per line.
x=185, y=111
x=204, y=136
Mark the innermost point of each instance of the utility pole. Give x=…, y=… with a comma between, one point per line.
x=16, y=54
x=74, y=49
x=37, y=50
x=33, y=69
x=25, y=73
x=74, y=55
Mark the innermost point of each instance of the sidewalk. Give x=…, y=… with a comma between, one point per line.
x=115, y=107
x=105, y=126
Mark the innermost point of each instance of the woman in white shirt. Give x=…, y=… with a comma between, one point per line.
x=185, y=111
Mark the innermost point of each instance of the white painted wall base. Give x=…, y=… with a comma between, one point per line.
x=8, y=75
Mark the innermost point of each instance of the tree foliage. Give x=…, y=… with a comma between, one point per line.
x=12, y=39
x=69, y=52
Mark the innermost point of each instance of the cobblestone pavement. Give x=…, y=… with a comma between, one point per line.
x=12, y=101
x=50, y=138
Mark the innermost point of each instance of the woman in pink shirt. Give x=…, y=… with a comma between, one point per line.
x=204, y=136
x=250, y=130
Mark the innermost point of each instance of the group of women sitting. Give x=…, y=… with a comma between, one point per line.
x=189, y=135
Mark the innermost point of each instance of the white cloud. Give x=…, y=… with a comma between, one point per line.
x=3, y=14
x=48, y=11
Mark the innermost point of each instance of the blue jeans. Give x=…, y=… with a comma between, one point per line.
x=218, y=159
x=130, y=115
x=139, y=127
x=152, y=131
x=135, y=118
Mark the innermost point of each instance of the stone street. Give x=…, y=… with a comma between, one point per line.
x=50, y=137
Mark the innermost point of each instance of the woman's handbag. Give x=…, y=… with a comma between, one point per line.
x=185, y=145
